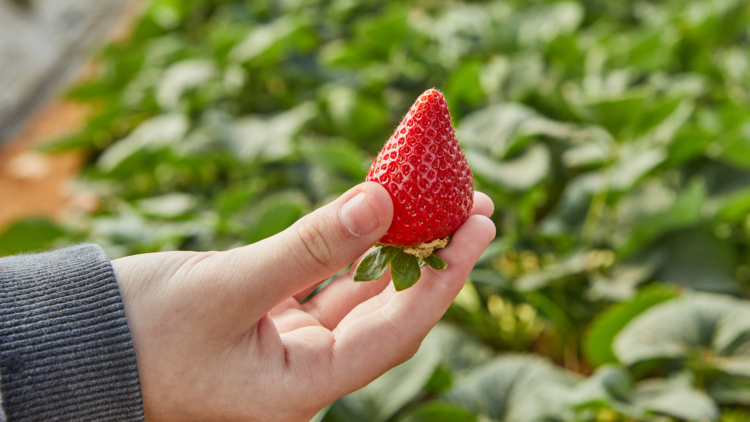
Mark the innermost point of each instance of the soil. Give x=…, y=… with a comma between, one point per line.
x=34, y=184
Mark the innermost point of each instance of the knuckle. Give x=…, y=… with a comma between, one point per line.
x=318, y=252
x=408, y=354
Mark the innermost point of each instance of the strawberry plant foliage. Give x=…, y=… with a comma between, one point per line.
x=612, y=137
x=425, y=171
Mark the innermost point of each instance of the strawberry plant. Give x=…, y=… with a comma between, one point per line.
x=613, y=137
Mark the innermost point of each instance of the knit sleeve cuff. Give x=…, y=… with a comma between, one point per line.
x=65, y=349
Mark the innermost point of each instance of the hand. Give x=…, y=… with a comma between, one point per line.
x=222, y=336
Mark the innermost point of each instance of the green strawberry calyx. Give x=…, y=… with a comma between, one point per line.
x=406, y=262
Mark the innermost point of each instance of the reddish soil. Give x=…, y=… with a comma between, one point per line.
x=38, y=185
x=34, y=184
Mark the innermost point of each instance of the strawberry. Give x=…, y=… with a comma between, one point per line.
x=425, y=172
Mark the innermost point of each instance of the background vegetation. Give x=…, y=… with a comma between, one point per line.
x=613, y=136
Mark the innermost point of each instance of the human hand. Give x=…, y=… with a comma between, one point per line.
x=222, y=336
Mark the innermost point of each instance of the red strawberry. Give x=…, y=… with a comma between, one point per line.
x=425, y=171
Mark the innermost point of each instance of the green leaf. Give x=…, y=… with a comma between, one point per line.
x=131, y=233
x=607, y=387
x=438, y=412
x=737, y=148
x=572, y=264
x=336, y=155
x=597, y=345
x=593, y=153
x=405, y=270
x=734, y=206
x=274, y=219
x=463, y=85
x=167, y=206
x=674, y=398
x=440, y=380
x=382, y=398
x=460, y=350
x=513, y=388
x=662, y=122
x=181, y=77
x=519, y=174
x=613, y=113
x=268, y=138
x=684, y=211
x=542, y=24
x=502, y=128
x=384, y=30
x=267, y=43
x=684, y=327
x=28, y=236
x=652, y=50
x=730, y=390
x=557, y=315
x=435, y=262
x=490, y=277
x=353, y=114
x=156, y=133
x=621, y=281
x=688, y=145
x=340, y=53
x=375, y=263
x=236, y=198
x=699, y=260
x=633, y=164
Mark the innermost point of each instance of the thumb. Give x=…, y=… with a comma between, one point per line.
x=315, y=247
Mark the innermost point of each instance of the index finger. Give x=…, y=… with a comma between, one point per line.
x=390, y=335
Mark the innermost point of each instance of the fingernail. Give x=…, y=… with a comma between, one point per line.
x=357, y=216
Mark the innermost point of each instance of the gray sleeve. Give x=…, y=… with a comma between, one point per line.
x=65, y=349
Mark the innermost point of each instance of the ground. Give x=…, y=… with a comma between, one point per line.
x=34, y=184
x=40, y=185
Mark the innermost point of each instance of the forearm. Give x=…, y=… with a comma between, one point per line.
x=65, y=349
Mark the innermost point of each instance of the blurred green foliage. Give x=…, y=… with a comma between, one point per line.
x=613, y=136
